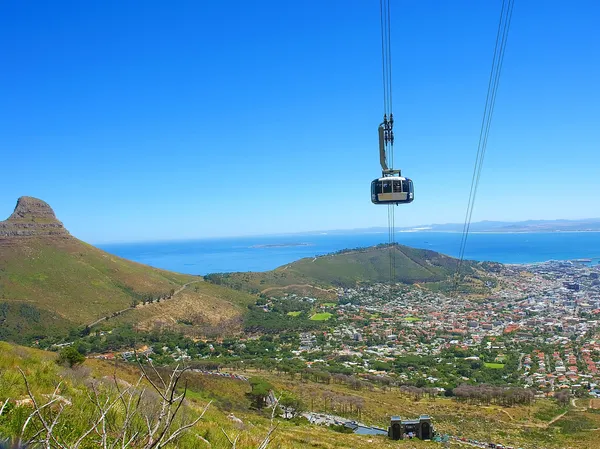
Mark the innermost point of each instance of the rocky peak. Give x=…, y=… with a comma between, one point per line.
x=32, y=217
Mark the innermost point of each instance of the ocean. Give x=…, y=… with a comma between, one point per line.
x=262, y=253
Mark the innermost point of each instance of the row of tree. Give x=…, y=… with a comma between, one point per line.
x=148, y=298
x=487, y=394
x=332, y=402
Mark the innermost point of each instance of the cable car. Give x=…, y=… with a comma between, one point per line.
x=392, y=190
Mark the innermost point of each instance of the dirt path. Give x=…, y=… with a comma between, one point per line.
x=507, y=414
x=556, y=418
x=114, y=314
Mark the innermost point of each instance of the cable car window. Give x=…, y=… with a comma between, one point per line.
x=405, y=186
x=387, y=187
x=397, y=187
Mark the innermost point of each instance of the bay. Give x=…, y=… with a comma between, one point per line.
x=262, y=253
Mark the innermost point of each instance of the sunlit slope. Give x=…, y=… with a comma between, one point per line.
x=347, y=268
x=373, y=265
x=50, y=282
x=76, y=281
x=228, y=400
x=541, y=424
x=201, y=309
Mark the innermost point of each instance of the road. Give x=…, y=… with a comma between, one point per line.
x=114, y=314
x=521, y=361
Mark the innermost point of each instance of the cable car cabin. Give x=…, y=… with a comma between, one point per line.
x=392, y=190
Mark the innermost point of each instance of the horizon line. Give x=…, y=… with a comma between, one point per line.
x=408, y=229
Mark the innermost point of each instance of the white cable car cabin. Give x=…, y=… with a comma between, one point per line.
x=392, y=190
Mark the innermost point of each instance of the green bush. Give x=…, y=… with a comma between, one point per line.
x=70, y=356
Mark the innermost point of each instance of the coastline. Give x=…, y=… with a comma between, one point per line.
x=264, y=253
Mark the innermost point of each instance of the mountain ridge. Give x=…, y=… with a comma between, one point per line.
x=51, y=282
x=32, y=217
x=350, y=267
x=525, y=226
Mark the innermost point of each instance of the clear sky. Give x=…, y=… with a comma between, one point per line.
x=149, y=120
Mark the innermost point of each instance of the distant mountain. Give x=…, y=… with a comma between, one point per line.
x=584, y=225
x=591, y=224
x=51, y=282
x=349, y=267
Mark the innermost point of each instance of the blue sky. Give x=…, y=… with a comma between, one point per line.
x=153, y=120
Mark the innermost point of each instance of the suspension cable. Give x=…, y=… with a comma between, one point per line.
x=488, y=112
x=388, y=122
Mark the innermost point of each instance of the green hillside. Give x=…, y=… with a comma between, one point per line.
x=51, y=282
x=76, y=280
x=347, y=268
x=229, y=413
x=373, y=265
x=542, y=423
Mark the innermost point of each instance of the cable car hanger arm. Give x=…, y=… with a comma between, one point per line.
x=386, y=137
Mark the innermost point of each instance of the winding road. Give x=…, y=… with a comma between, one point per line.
x=119, y=312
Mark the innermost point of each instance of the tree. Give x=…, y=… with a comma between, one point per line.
x=70, y=356
x=563, y=397
x=260, y=390
x=290, y=405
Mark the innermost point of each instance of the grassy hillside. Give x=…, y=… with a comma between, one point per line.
x=76, y=280
x=199, y=310
x=347, y=268
x=50, y=285
x=22, y=322
x=229, y=412
x=542, y=424
x=51, y=282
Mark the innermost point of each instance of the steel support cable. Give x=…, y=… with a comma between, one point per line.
x=483, y=126
x=391, y=149
x=389, y=64
x=384, y=70
x=493, y=83
x=492, y=103
x=386, y=57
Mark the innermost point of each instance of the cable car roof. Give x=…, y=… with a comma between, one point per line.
x=392, y=178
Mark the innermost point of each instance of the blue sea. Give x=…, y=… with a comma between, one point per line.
x=264, y=253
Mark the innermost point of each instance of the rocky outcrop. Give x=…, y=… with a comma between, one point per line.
x=32, y=218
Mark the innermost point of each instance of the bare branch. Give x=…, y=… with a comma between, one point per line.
x=269, y=437
x=161, y=418
x=145, y=374
x=104, y=409
x=37, y=412
x=235, y=440
x=182, y=429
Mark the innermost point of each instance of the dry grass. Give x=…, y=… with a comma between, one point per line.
x=516, y=426
x=199, y=307
x=520, y=429
x=76, y=280
x=80, y=284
